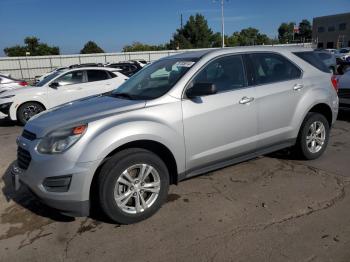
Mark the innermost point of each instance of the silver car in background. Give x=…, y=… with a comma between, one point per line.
x=179, y=117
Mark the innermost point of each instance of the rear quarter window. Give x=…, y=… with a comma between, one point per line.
x=313, y=59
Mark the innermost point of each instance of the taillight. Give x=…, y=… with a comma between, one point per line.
x=23, y=83
x=335, y=82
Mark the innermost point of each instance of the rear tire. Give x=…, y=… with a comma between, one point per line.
x=27, y=111
x=133, y=185
x=313, y=137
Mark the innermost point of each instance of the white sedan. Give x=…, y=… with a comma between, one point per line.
x=57, y=89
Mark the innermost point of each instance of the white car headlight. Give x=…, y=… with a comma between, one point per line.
x=59, y=141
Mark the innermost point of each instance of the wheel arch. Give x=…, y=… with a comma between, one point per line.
x=325, y=110
x=13, y=114
x=155, y=147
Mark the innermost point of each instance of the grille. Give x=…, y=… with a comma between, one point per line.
x=23, y=158
x=28, y=135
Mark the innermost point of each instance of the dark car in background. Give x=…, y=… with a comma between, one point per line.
x=127, y=68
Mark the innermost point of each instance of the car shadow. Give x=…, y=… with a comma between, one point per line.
x=344, y=114
x=25, y=199
x=6, y=122
x=28, y=201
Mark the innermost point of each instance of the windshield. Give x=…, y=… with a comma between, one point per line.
x=47, y=79
x=154, y=80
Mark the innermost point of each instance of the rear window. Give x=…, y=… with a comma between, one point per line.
x=97, y=75
x=313, y=59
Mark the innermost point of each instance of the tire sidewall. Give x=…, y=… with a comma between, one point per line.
x=311, y=118
x=113, y=170
x=20, y=117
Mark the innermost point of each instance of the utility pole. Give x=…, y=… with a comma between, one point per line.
x=222, y=24
x=222, y=21
x=181, y=23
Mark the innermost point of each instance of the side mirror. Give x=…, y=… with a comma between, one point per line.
x=201, y=89
x=54, y=85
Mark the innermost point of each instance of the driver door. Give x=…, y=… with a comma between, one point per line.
x=70, y=87
x=221, y=126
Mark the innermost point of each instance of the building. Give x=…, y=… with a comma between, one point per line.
x=332, y=31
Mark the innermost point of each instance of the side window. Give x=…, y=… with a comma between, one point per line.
x=97, y=75
x=269, y=68
x=72, y=78
x=226, y=73
x=111, y=74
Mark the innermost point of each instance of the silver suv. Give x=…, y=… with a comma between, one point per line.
x=179, y=117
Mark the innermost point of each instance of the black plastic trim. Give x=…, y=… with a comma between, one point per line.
x=235, y=159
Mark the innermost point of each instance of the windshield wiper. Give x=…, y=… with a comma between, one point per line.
x=124, y=95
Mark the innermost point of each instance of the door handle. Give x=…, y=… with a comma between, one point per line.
x=246, y=100
x=298, y=87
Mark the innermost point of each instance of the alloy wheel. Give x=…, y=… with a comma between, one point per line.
x=316, y=137
x=137, y=188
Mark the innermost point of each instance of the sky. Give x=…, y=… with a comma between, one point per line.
x=69, y=24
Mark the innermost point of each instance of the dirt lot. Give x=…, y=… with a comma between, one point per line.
x=268, y=209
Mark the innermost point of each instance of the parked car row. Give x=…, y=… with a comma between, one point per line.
x=59, y=87
x=127, y=68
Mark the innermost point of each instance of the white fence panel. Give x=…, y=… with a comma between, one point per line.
x=30, y=67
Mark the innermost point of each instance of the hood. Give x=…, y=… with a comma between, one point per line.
x=80, y=112
x=20, y=90
x=10, y=88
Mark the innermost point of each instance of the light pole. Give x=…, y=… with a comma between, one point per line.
x=222, y=24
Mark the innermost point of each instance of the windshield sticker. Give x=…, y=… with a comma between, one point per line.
x=184, y=63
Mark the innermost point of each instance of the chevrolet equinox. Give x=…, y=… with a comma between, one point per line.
x=179, y=117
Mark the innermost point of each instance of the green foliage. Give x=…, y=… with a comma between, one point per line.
x=195, y=34
x=248, y=36
x=285, y=32
x=137, y=46
x=91, y=48
x=305, y=30
x=33, y=46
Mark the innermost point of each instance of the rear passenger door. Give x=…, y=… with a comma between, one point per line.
x=279, y=87
x=98, y=82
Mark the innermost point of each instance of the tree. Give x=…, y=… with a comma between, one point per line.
x=138, y=46
x=91, y=48
x=33, y=46
x=305, y=30
x=285, y=32
x=195, y=34
x=248, y=36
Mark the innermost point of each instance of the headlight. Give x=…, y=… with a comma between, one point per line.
x=61, y=140
x=4, y=97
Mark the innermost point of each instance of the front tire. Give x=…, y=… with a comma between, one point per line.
x=133, y=185
x=313, y=136
x=27, y=111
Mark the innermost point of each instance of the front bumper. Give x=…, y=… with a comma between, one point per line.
x=5, y=108
x=46, y=177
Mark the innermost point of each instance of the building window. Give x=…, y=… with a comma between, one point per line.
x=331, y=29
x=320, y=29
x=330, y=45
x=342, y=27
x=320, y=45
x=349, y=44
